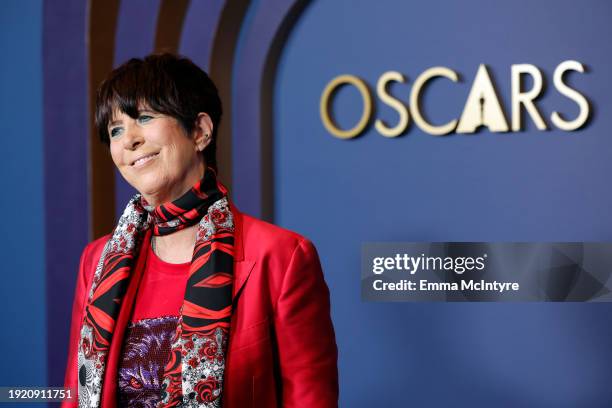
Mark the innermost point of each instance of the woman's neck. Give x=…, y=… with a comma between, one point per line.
x=167, y=194
x=176, y=247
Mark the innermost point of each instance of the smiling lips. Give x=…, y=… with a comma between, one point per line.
x=144, y=159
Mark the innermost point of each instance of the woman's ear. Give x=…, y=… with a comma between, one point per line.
x=203, y=131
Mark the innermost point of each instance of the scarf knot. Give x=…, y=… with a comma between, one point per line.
x=188, y=209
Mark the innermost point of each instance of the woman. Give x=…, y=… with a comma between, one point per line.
x=190, y=302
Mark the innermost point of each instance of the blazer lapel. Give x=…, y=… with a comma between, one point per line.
x=242, y=271
x=242, y=267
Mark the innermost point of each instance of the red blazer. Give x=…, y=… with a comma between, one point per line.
x=282, y=349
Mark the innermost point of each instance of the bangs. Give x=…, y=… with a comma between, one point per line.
x=131, y=88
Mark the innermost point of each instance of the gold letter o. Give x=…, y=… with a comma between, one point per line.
x=325, y=102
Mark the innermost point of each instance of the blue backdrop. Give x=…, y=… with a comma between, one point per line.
x=22, y=293
x=525, y=186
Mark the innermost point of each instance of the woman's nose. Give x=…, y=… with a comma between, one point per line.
x=133, y=139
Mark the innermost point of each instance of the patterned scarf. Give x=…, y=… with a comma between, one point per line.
x=194, y=374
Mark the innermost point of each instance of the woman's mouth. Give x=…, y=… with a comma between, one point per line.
x=143, y=160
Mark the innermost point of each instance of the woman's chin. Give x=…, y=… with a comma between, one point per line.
x=152, y=190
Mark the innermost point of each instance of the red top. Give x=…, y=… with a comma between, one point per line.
x=161, y=290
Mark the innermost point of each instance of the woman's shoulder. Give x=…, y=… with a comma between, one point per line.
x=95, y=247
x=260, y=236
x=87, y=267
x=266, y=231
x=91, y=255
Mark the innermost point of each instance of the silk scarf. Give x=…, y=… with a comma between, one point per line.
x=194, y=374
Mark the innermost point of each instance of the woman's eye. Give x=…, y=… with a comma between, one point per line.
x=144, y=118
x=116, y=131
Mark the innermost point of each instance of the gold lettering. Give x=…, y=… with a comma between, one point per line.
x=381, y=90
x=415, y=96
x=482, y=107
x=563, y=89
x=325, y=102
x=526, y=98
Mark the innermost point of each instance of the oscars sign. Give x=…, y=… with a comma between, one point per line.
x=482, y=107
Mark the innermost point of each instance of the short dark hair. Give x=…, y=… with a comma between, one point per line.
x=165, y=83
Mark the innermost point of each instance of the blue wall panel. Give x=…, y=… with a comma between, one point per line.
x=22, y=293
x=525, y=186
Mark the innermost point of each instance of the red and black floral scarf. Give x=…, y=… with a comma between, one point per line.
x=194, y=374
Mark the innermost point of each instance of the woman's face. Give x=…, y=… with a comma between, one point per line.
x=155, y=155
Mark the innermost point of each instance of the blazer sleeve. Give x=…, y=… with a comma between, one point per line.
x=83, y=285
x=306, y=341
